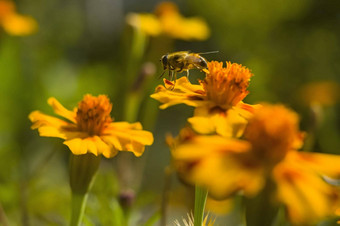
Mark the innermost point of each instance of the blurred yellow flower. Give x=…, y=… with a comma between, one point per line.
x=14, y=23
x=168, y=21
x=226, y=166
x=217, y=99
x=323, y=93
x=89, y=128
x=147, y=23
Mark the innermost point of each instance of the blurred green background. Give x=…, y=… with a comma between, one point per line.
x=85, y=47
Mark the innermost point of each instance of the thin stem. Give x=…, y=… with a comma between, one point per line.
x=165, y=195
x=200, y=200
x=78, y=208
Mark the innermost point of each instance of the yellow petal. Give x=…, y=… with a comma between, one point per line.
x=203, y=146
x=307, y=197
x=147, y=23
x=228, y=124
x=61, y=110
x=16, y=24
x=183, y=93
x=324, y=164
x=93, y=144
x=129, y=137
x=224, y=175
x=39, y=119
x=76, y=146
x=49, y=126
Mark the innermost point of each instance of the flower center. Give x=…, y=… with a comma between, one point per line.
x=226, y=86
x=273, y=131
x=93, y=114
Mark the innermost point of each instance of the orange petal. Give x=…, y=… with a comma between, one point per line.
x=61, y=110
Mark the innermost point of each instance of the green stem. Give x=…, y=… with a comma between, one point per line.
x=78, y=208
x=200, y=199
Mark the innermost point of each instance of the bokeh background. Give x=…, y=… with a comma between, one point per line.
x=86, y=46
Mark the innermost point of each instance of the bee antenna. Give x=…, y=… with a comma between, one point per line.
x=208, y=52
x=161, y=74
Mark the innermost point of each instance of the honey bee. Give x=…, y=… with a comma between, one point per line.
x=183, y=61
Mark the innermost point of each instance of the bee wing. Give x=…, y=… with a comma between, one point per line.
x=196, y=61
x=209, y=52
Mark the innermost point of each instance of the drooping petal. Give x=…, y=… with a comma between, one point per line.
x=128, y=137
x=93, y=144
x=307, y=197
x=76, y=146
x=226, y=123
x=183, y=92
x=61, y=110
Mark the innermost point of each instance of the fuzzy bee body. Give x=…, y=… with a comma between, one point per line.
x=182, y=61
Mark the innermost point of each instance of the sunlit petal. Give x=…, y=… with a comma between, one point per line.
x=61, y=110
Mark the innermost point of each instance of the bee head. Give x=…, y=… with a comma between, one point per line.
x=164, y=61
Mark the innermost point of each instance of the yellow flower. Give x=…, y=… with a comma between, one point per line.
x=147, y=23
x=217, y=99
x=226, y=166
x=179, y=27
x=168, y=21
x=14, y=23
x=89, y=128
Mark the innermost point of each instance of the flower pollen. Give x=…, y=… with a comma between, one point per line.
x=226, y=86
x=93, y=114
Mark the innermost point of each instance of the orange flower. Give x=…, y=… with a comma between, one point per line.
x=14, y=23
x=90, y=128
x=226, y=166
x=218, y=99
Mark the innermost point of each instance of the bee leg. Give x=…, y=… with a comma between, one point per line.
x=188, y=75
x=161, y=74
x=175, y=78
x=171, y=75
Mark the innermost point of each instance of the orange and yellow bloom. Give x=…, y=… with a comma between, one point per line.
x=89, y=128
x=14, y=23
x=268, y=154
x=217, y=99
x=168, y=21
